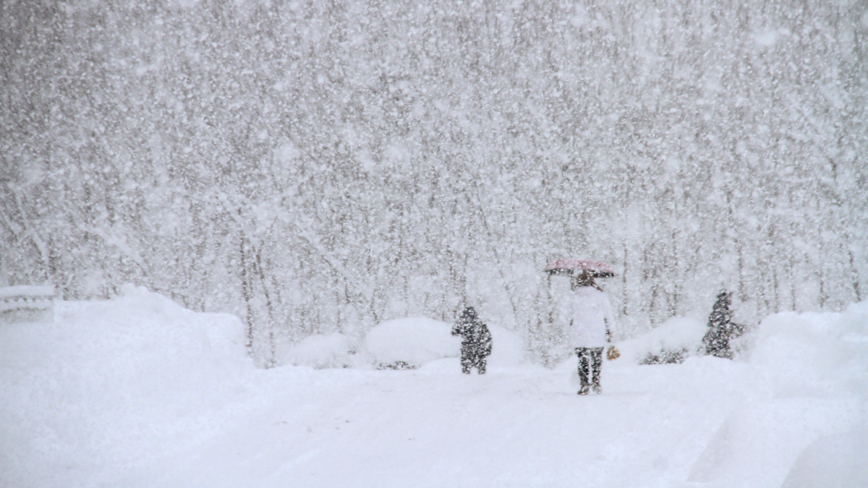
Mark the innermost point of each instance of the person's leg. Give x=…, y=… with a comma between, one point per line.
x=584, y=366
x=596, y=365
x=480, y=365
x=466, y=360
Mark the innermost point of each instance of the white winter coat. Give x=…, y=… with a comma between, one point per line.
x=587, y=312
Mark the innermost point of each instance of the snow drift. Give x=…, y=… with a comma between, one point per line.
x=111, y=380
x=671, y=342
x=405, y=343
x=411, y=342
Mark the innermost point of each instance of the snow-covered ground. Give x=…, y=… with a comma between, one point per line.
x=138, y=392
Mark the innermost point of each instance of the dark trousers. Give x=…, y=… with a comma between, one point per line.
x=470, y=358
x=590, y=362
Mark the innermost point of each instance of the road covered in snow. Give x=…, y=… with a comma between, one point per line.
x=140, y=392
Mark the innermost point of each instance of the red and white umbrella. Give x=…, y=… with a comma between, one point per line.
x=597, y=269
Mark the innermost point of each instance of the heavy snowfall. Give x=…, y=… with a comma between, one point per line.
x=234, y=236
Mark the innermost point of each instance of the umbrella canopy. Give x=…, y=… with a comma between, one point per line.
x=597, y=269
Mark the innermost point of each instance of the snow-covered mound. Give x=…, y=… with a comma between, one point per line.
x=114, y=376
x=411, y=342
x=401, y=343
x=806, y=385
x=813, y=353
x=673, y=341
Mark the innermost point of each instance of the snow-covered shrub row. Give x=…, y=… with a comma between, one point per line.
x=411, y=342
x=798, y=352
x=405, y=343
x=672, y=342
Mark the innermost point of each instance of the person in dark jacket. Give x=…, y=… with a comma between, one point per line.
x=475, y=341
x=721, y=328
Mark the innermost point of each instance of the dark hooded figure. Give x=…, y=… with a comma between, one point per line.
x=475, y=341
x=721, y=328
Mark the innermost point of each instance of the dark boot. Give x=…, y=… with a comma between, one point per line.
x=584, y=368
x=596, y=366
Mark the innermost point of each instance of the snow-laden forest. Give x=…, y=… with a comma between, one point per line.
x=320, y=167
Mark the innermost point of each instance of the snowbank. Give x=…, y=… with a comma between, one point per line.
x=673, y=341
x=113, y=381
x=813, y=354
x=805, y=405
x=411, y=342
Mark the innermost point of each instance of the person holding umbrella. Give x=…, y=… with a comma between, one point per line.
x=590, y=316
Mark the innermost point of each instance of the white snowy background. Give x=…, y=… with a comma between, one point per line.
x=247, y=207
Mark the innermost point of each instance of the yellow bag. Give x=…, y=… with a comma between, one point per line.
x=612, y=353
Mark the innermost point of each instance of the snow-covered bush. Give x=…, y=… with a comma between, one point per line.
x=672, y=342
x=410, y=342
x=406, y=343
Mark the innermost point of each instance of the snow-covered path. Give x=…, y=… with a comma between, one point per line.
x=138, y=392
x=436, y=427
